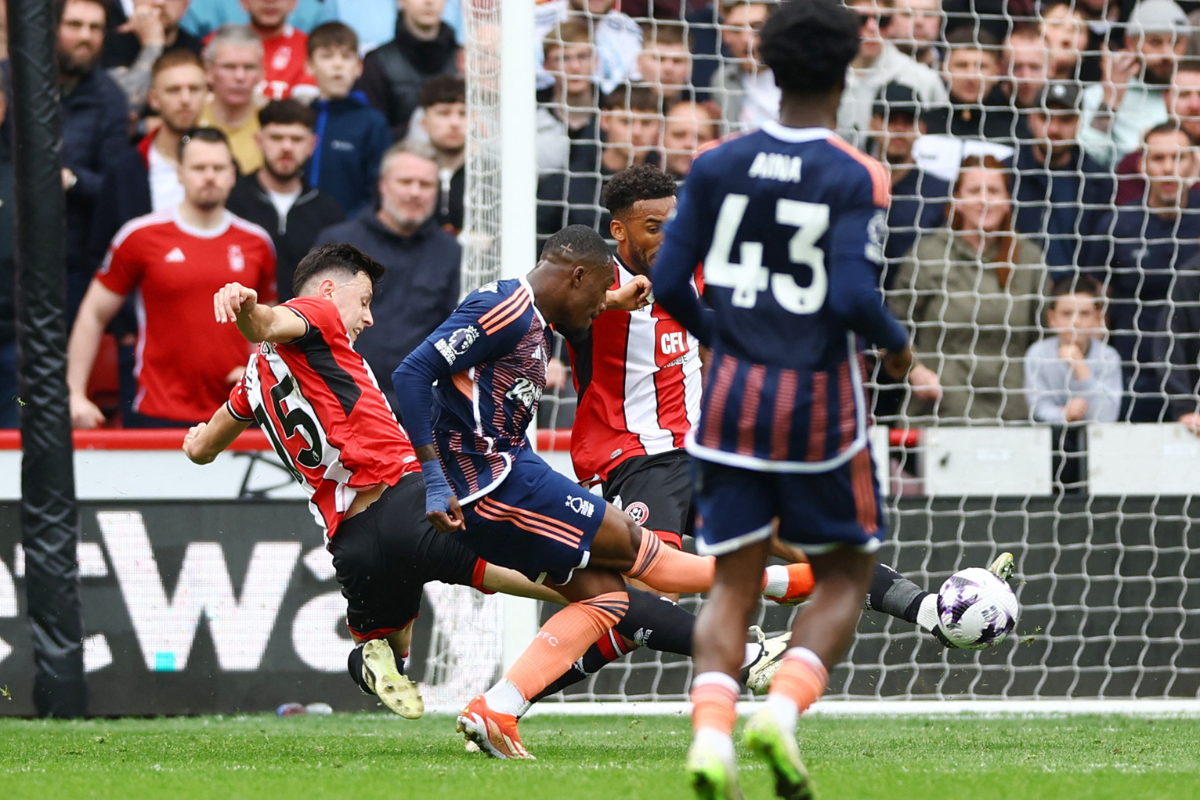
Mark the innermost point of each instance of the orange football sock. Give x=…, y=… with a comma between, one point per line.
x=714, y=702
x=671, y=570
x=563, y=639
x=801, y=678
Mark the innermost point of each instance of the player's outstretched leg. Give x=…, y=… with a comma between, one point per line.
x=895, y=595
x=821, y=635
x=640, y=555
x=662, y=625
x=374, y=667
x=598, y=602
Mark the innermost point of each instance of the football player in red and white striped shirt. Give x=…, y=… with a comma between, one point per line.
x=638, y=376
x=174, y=258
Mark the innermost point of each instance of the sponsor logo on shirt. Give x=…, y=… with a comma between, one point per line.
x=237, y=261
x=457, y=343
x=582, y=507
x=282, y=57
x=176, y=256
x=525, y=392
x=338, y=144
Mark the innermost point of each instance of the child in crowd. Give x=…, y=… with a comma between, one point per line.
x=1075, y=375
x=352, y=135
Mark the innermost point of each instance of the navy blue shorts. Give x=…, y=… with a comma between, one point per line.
x=537, y=521
x=816, y=511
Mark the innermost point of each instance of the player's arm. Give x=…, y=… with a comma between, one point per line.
x=856, y=250
x=207, y=440
x=258, y=323
x=685, y=243
x=99, y=306
x=509, y=581
x=459, y=343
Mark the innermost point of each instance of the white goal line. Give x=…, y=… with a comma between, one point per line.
x=872, y=708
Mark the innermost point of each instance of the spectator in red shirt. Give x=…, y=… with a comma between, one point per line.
x=285, y=50
x=177, y=258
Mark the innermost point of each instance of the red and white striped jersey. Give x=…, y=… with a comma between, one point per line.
x=638, y=377
x=319, y=404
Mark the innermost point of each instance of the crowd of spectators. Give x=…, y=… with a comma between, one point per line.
x=1042, y=241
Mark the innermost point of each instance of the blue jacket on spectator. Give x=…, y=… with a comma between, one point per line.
x=419, y=288
x=1138, y=255
x=351, y=139
x=125, y=188
x=918, y=204
x=95, y=134
x=1059, y=206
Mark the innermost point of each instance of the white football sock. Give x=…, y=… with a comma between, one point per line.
x=505, y=698
x=777, y=581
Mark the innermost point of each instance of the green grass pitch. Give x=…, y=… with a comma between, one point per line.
x=359, y=756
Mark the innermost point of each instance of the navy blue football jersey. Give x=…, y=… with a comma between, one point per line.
x=489, y=360
x=788, y=223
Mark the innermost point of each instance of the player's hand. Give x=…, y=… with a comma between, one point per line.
x=450, y=520
x=233, y=301
x=898, y=363
x=630, y=297
x=189, y=444
x=1191, y=423
x=84, y=413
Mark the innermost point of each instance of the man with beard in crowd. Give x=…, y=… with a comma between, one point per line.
x=276, y=197
x=95, y=130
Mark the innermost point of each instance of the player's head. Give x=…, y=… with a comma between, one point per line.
x=206, y=169
x=808, y=44
x=344, y=274
x=639, y=199
x=572, y=277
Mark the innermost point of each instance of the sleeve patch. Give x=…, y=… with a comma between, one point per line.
x=457, y=343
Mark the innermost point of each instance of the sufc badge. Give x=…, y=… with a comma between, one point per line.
x=237, y=261
x=638, y=512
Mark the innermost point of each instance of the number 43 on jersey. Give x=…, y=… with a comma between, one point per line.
x=748, y=276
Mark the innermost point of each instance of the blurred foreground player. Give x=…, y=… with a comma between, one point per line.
x=467, y=395
x=788, y=222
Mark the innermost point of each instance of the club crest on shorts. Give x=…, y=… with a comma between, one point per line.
x=580, y=506
x=638, y=512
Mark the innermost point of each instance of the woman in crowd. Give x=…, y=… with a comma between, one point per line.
x=972, y=293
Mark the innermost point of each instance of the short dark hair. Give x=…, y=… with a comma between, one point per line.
x=60, y=6
x=335, y=257
x=1076, y=284
x=1170, y=126
x=967, y=38
x=808, y=44
x=631, y=98
x=181, y=57
x=579, y=243
x=210, y=135
x=658, y=32
x=332, y=34
x=287, y=112
x=627, y=187
x=442, y=89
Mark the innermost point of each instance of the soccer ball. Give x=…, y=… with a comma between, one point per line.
x=976, y=610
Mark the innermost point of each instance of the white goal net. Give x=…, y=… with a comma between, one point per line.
x=1096, y=500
